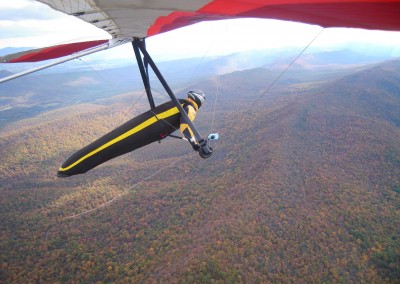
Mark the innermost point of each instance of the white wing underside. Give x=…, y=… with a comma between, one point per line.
x=123, y=18
x=128, y=19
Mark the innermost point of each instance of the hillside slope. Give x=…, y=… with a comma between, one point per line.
x=305, y=188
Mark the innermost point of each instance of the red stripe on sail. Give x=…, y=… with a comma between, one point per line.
x=53, y=52
x=366, y=14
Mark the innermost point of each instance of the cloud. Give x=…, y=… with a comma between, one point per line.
x=18, y=4
x=81, y=81
x=18, y=10
x=30, y=23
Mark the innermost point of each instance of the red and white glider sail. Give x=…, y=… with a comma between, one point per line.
x=128, y=19
x=51, y=52
x=380, y=15
x=66, y=51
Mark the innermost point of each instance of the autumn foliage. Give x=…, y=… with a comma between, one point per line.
x=304, y=188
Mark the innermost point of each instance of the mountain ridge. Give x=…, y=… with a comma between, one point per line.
x=303, y=187
x=25, y=97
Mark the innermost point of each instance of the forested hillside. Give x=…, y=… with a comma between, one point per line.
x=303, y=187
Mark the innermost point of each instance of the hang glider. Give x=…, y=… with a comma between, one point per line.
x=134, y=20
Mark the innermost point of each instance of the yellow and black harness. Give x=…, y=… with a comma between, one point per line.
x=142, y=130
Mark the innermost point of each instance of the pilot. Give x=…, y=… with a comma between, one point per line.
x=194, y=101
x=151, y=126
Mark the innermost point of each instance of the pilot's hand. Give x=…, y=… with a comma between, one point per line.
x=205, y=152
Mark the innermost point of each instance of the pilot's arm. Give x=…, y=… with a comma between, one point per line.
x=185, y=129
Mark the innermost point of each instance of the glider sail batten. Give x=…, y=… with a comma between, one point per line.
x=121, y=18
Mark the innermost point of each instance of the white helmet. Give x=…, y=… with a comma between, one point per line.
x=197, y=96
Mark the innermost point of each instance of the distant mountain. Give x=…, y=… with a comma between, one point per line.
x=375, y=91
x=27, y=96
x=77, y=82
x=334, y=59
x=33, y=94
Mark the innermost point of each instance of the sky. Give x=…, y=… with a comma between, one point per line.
x=26, y=23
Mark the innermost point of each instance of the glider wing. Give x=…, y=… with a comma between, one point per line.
x=123, y=18
x=128, y=19
x=51, y=52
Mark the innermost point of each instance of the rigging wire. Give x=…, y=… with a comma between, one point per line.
x=161, y=94
x=138, y=183
x=191, y=79
x=114, y=87
x=103, y=78
x=156, y=172
x=218, y=85
x=214, y=109
x=165, y=121
x=130, y=109
x=209, y=48
x=267, y=90
x=125, y=191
